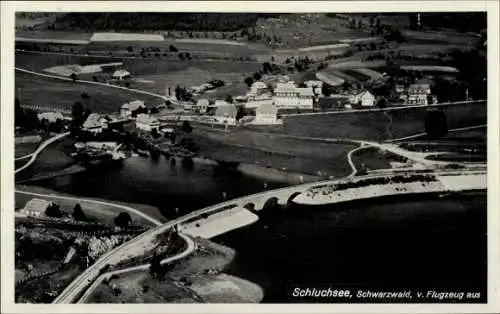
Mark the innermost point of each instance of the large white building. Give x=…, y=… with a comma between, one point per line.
x=226, y=114
x=288, y=96
x=146, y=122
x=266, y=114
x=202, y=105
x=35, y=207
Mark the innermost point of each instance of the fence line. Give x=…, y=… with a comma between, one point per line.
x=49, y=108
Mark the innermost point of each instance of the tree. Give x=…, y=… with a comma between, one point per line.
x=186, y=127
x=18, y=112
x=154, y=110
x=78, y=213
x=188, y=55
x=257, y=76
x=123, y=220
x=73, y=77
x=382, y=103
x=77, y=112
x=130, y=49
x=85, y=96
x=240, y=113
x=436, y=124
x=172, y=48
x=182, y=56
x=155, y=134
x=249, y=81
x=360, y=24
x=377, y=23
x=266, y=67
x=53, y=211
x=229, y=99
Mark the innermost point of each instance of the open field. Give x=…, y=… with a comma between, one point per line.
x=102, y=212
x=47, y=92
x=24, y=149
x=372, y=125
x=53, y=35
x=411, y=121
x=371, y=158
x=275, y=151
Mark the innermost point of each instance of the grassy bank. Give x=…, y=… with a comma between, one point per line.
x=102, y=212
x=275, y=152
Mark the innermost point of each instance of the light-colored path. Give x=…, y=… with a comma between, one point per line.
x=422, y=134
x=191, y=246
x=138, y=91
x=383, y=109
x=79, y=199
x=40, y=148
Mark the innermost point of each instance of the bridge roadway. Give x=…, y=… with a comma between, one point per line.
x=136, y=246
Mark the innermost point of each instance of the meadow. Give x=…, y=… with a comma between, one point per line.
x=47, y=92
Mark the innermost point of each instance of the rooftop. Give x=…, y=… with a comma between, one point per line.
x=228, y=110
x=94, y=120
x=134, y=105
x=50, y=116
x=37, y=205
x=146, y=119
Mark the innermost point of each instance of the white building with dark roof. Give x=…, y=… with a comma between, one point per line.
x=266, y=114
x=146, y=122
x=127, y=109
x=226, y=114
x=288, y=96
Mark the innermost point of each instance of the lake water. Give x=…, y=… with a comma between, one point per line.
x=428, y=242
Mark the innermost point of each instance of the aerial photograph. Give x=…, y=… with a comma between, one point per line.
x=205, y=157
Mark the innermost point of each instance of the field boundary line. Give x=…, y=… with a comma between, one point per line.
x=92, y=83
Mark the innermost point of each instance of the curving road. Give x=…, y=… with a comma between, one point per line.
x=40, y=148
x=191, y=246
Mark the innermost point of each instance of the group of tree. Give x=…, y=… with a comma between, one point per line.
x=79, y=114
x=25, y=118
x=53, y=211
x=123, y=220
x=181, y=93
x=161, y=21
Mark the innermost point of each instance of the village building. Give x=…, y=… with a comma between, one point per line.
x=202, y=105
x=287, y=95
x=365, y=99
x=418, y=94
x=127, y=109
x=121, y=75
x=95, y=123
x=314, y=84
x=226, y=114
x=146, y=122
x=258, y=88
x=35, y=207
x=266, y=114
x=51, y=117
x=220, y=103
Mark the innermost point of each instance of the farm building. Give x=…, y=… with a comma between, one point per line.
x=365, y=99
x=258, y=88
x=51, y=117
x=258, y=102
x=95, y=123
x=202, y=105
x=146, y=122
x=226, y=114
x=127, y=109
x=287, y=95
x=35, y=207
x=417, y=94
x=266, y=114
x=220, y=103
x=121, y=75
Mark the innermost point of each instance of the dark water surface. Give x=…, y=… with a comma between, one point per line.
x=430, y=242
